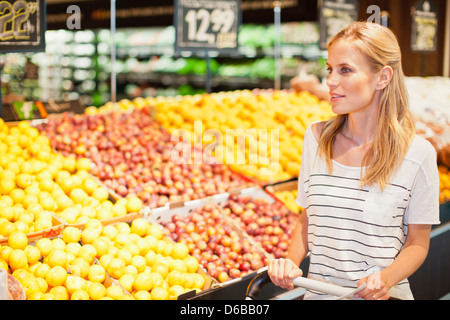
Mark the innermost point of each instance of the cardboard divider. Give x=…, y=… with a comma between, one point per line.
x=54, y=231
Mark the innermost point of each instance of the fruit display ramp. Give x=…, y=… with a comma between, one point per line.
x=229, y=234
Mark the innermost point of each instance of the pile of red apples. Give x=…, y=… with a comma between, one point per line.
x=270, y=224
x=133, y=155
x=219, y=247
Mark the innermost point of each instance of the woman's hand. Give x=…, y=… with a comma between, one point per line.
x=282, y=271
x=376, y=288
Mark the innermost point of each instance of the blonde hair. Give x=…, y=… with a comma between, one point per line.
x=395, y=129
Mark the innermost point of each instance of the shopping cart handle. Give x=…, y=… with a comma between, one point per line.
x=261, y=279
x=257, y=283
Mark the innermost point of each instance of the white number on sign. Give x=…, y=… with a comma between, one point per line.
x=221, y=20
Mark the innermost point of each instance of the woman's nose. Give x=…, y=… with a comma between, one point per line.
x=331, y=81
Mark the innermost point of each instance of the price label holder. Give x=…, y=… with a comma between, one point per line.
x=22, y=27
x=205, y=26
x=335, y=15
x=424, y=29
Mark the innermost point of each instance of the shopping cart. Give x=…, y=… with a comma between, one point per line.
x=334, y=292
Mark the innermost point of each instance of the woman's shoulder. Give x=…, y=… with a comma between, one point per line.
x=420, y=150
x=316, y=129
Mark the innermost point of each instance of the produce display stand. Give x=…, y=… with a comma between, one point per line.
x=229, y=289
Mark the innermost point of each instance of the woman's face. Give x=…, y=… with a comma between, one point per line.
x=352, y=84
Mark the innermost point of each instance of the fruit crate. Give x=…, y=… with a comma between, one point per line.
x=166, y=217
x=285, y=186
x=208, y=280
x=73, y=270
x=57, y=228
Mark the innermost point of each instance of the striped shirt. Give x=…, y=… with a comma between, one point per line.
x=354, y=232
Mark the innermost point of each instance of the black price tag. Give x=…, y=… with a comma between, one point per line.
x=424, y=27
x=22, y=25
x=335, y=15
x=207, y=25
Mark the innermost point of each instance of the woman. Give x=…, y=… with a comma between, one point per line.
x=370, y=186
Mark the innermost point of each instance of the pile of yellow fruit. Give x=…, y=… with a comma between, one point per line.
x=444, y=184
x=99, y=262
x=36, y=183
x=288, y=198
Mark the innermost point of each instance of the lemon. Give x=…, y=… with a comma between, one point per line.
x=96, y=273
x=105, y=260
x=175, y=277
x=63, y=202
x=198, y=280
x=56, y=276
x=60, y=293
x=48, y=296
x=69, y=164
x=155, y=231
x=71, y=234
x=96, y=291
x=127, y=281
x=140, y=227
x=159, y=293
x=78, y=195
x=161, y=269
x=90, y=185
x=17, y=195
x=58, y=244
x=139, y=262
x=134, y=204
x=18, y=240
x=74, y=283
x=119, y=210
x=114, y=292
x=79, y=295
x=175, y=291
x=56, y=257
x=88, y=235
x=83, y=164
x=44, y=245
x=102, y=245
x=18, y=260
x=7, y=186
x=110, y=231
x=36, y=296
x=142, y=295
x=4, y=265
x=7, y=212
x=150, y=258
x=101, y=194
x=143, y=281
x=192, y=264
x=179, y=251
x=6, y=228
x=41, y=270
x=33, y=254
x=87, y=252
x=73, y=248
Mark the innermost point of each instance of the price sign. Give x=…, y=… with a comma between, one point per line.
x=424, y=27
x=22, y=25
x=335, y=15
x=206, y=25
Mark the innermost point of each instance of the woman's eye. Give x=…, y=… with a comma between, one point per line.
x=345, y=70
x=329, y=70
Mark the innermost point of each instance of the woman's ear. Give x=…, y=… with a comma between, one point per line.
x=385, y=76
